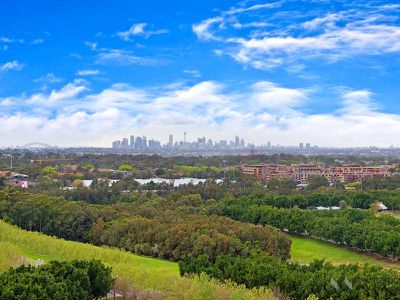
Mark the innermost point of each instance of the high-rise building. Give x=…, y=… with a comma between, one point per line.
x=171, y=141
x=125, y=143
x=132, y=141
x=116, y=145
x=237, y=141
x=138, y=143
x=144, y=143
x=308, y=145
x=301, y=145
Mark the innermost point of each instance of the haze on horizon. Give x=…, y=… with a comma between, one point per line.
x=86, y=73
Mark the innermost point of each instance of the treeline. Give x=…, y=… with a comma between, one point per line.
x=327, y=198
x=319, y=278
x=85, y=280
x=356, y=228
x=141, y=228
x=247, y=189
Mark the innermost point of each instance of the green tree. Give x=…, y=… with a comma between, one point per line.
x=49, y=171
x=125, y=168
x=2, y=182
x=88, y=167
x=315, y=182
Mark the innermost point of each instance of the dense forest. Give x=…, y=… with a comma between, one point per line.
x=168, y=223
x=142, y=229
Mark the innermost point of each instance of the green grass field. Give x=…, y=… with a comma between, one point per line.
x=305, y=250
x=133, y=271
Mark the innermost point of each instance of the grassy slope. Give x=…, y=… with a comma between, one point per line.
x=136, y=271
x=306, y=249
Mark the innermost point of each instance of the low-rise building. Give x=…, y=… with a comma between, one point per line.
x=301, y=173
x=17, y=179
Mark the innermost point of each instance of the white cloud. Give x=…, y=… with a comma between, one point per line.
x=261, y=111
x=87, y=72
x=194, y=73
x=58, y=97
x=49, y=78
x=253, y=7
x=124, y=57
x=202, y=30
x=37, y=41
x=327, y=20
x=6, y=102
x=358, y=103
x=11, y=65
x=7, y=40
x=290, y=39
x=4, y=39
x=238, y=25
x=139, y=29
x=273, y=97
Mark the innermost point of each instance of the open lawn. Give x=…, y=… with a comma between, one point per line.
x=133, y=272
x=305, y=250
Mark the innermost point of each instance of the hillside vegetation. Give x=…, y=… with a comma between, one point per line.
x=133, y=271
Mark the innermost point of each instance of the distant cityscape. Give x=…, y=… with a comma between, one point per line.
x=142, y=144
x=202, y=146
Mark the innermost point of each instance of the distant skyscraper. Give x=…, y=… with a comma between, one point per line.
x=301, y=145
x=171, y=140
x=184, y=137
x=125, y=143
x=144, y=143
x=308, y=146
x=138, y=143
x=116, y=145
x=237, y=141
x=132, y=141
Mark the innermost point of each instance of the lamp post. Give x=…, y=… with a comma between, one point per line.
x=11, y=161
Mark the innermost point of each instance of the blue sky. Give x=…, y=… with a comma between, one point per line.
x=88, y=72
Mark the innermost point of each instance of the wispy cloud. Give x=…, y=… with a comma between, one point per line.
x=49, y=78
x=124, y=57
x=8, y=40
x=203, y=29
x=88, y=72
x=37, y=41
x=194, y=73
x=121, y=57
x=139, y=29
x=14, y=65
x=292, y=37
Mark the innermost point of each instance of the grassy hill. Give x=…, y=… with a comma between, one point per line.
x=134, y=272
x=305, y=250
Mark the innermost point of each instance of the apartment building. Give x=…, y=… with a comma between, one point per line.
x=301, y=173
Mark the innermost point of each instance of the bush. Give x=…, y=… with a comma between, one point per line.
x=57, y=280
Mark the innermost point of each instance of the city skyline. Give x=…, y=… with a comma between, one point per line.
x=141, y=142
x=286, y=71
